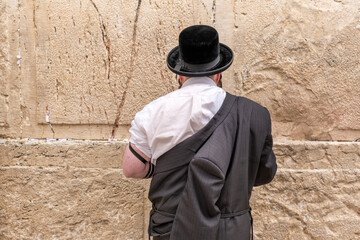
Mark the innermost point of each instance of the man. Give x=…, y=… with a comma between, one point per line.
x=204, y=148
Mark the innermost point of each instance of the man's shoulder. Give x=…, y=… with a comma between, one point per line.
x=156, y=104
x=160, y=100
x=254, y=106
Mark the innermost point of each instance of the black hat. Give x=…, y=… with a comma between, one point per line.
x=199, y=53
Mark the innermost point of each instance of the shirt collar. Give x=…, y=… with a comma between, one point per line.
x=199, y=81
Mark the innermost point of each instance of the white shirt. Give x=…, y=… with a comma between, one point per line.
x=172, y=118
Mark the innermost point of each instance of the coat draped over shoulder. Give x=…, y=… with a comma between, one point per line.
x=201, y=188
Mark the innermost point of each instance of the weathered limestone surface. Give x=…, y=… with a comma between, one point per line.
x=82, y=58
x=315, y=194
x=76, y=190
x=299, y=58
x=69, y=203
x=81, y=154
x=309, y=204
x=87, y=66
x=3, y=64
x=90, y=65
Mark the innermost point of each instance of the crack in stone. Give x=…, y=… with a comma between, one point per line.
x=57, y=86
x=107, y=44
x=106, y=116
x=34, y=20
x=207, y=12
x=214, y=12
x=132, y=63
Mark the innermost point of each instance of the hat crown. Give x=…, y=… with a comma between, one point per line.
x=199, y=53
x=199, y=44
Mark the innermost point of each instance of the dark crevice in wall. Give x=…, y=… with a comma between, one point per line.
x=34, y=19
x=131, y=72
x=214, y=12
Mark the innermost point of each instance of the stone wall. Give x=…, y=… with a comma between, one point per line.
x=76, y=190
x=81, y=69
x=87, y=66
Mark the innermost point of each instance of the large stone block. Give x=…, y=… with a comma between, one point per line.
x=308, y=204
x=70, y=189
x=83, y=50
x=69, y=203
x=314, y=195
x=318, y=155
x=92, y=56
x=91, y=65
x=13, y=114
x=81, y=154
x=86, y=67
x=299, y=59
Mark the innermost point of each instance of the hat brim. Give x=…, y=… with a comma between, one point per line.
x=226, y=59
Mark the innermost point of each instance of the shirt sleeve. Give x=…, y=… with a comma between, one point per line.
x=139, y=136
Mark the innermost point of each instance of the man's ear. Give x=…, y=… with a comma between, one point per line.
x=180, y=81
x=218, y=80
x=219, y=83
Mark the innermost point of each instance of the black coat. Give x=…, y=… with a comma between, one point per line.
x=201, y=187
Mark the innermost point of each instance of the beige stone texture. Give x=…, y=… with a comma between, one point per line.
x=76, y=190
x=80, y=154
x=315, y=194
x=300, y=59
x=69, y=203
x=4, y=66
x=81, y=69
x=90, y=65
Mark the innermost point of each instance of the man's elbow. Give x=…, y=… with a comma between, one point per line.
x=131, y=173
x=128, y=170
x=267, y=171
x=128, y=173
x=133, y=170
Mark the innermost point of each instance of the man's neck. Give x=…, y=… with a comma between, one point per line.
x=212, y=77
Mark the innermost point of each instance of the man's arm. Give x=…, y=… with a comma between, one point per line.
x=136, y=164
